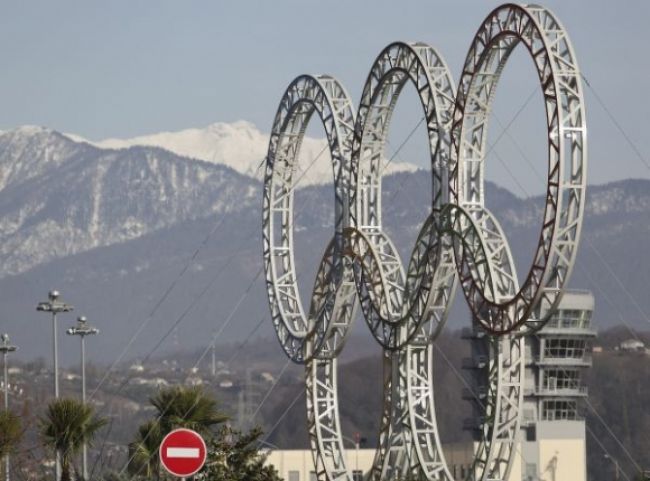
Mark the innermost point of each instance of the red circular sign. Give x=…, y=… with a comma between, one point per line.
x=183, y=452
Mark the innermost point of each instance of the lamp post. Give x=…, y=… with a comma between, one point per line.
x=83, y=329
x=5, y=349
x=357, y=443
x=616, y=468
x=54, y=305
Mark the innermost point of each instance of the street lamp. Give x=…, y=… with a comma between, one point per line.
x=616, y=469
x=54, y=305
x=83, y=329
x=5, y=349
x=357, y=441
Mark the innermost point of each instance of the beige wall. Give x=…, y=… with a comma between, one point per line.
x=300, y=460
x=564, y=456
x=554, y=459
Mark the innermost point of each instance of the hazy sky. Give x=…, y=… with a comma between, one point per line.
x=125, y=68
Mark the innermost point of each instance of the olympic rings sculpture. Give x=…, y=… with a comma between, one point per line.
x=461, y=242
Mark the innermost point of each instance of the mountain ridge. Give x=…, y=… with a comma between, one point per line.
x=239, y=145
x=113, y=230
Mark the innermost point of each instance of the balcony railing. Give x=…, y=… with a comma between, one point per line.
x=567, y=330
x=580, y=391
x=585, y=360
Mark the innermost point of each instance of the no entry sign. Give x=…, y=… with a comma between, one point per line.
x=183, y=452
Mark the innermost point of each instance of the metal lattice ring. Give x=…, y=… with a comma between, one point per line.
x=393, y=302
x=550, y=48
x=304, y=96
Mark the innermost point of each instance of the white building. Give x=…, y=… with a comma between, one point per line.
x=298, y=464
x=632, y=345
x=552, y=438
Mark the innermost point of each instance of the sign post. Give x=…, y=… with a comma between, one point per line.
x=183, y=452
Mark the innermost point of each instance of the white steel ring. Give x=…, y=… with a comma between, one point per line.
x=389, y=298
x=550, y=48
x=304, y=96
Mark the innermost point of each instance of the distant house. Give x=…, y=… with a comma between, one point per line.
x=156, y=382
x=268, y=377
x=137, y=367
x=194, y=381
x=632, y=345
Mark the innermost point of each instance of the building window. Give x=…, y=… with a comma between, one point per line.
x=357, y=475
x=555, y=379
x=555, y=410
x=312, y=476
x=564, y=348
x=294, y=476
x=531, y=434
x=571, y=318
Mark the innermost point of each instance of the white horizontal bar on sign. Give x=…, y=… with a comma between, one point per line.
x=182, y=452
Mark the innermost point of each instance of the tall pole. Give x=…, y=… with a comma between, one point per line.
x=84, y=454
x=54, y=305
x=6, y=348
x=6, y=376
x=214, y=362
x=615, y=463
x=55, y=348
x=83, y=329
x=83, y=369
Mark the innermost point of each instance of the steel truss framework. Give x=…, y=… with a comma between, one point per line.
x=460, y=241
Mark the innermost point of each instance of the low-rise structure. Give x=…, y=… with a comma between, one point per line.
x=632, y=345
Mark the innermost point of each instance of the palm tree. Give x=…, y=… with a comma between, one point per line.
x=143, y=452
x=67, y=424
x=183, y=407
x=10, y=433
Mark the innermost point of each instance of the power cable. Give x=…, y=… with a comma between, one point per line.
x=616, y=123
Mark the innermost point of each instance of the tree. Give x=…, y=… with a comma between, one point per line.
x=67, y=424
x=143, y=452
x=11, y=433
x=176, y=407
x=235, y=456
x=187, y=407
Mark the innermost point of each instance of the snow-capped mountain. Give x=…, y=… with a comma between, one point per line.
x=241, y=146
x=29, y=151
x=59, y=197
